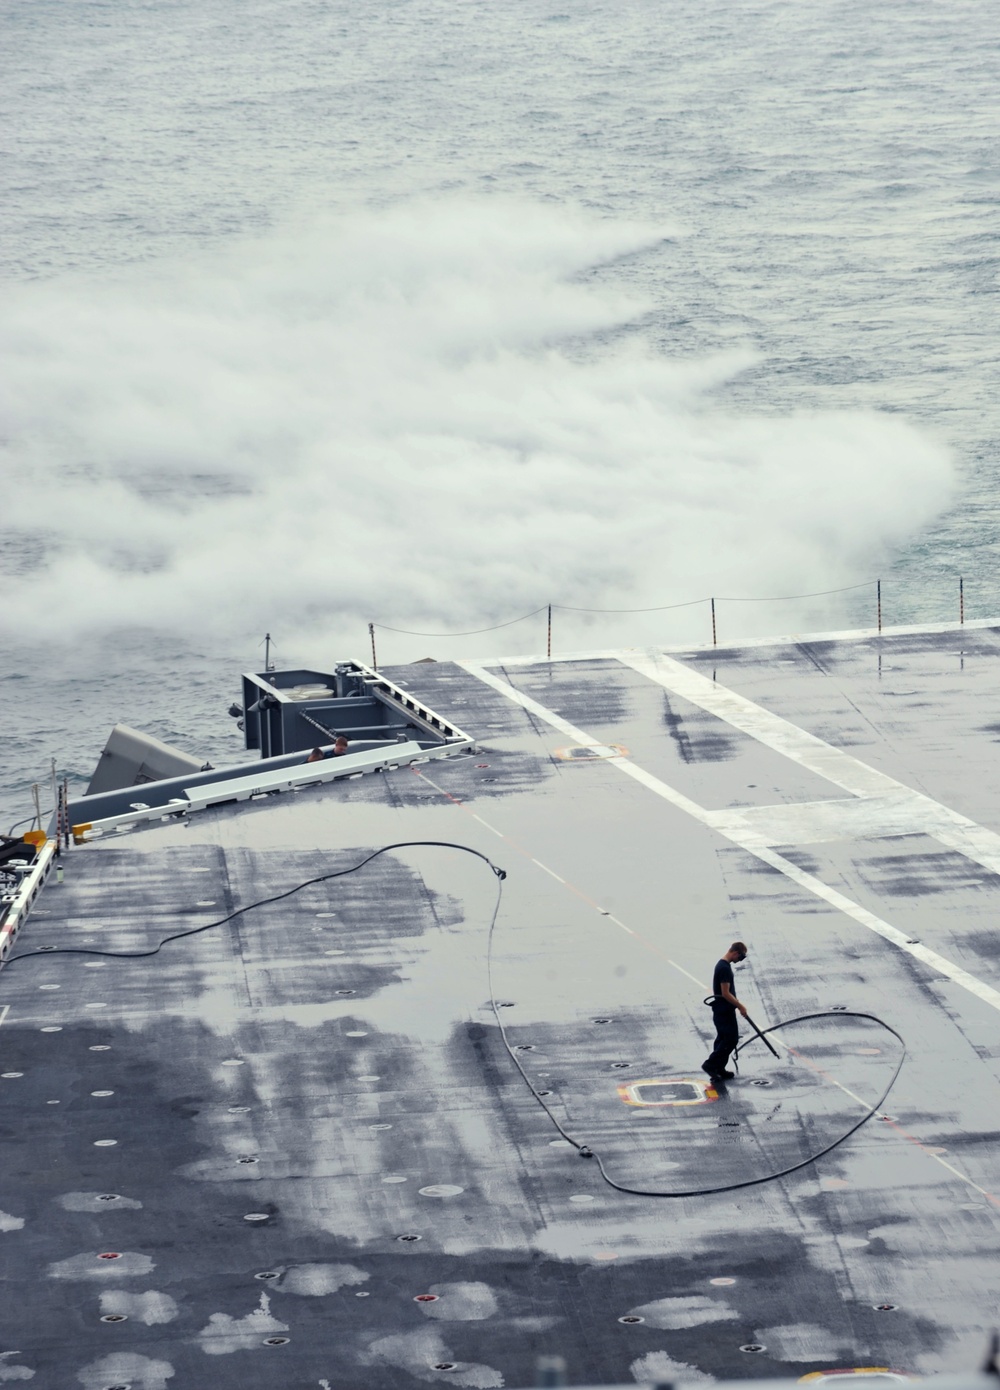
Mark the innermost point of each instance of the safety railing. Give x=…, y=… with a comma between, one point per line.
x=15, y=907
x=711, y=603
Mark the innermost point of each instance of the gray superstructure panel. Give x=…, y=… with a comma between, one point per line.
x=332, y=1064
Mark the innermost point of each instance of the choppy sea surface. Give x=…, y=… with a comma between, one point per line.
x=432, y=312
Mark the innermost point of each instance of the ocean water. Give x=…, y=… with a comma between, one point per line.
x=433, y=312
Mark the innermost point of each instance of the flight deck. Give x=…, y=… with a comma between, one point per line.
x=375, y=1130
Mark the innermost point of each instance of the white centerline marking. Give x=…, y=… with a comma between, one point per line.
x=546, y=868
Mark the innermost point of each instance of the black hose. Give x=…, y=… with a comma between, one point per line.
x=773, y=1050
x=262, y=902
x=803, y=1163
x=585, y=1151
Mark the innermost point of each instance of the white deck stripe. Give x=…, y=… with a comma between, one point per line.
x=778, y=1042
x=788, y=639
x=768, y=856
x=919, y=814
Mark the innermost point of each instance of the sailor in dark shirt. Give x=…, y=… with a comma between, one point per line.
x=724, y=1009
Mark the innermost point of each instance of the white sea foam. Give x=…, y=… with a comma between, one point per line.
x=421, y=415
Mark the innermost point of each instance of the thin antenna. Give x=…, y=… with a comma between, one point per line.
x=268, y=663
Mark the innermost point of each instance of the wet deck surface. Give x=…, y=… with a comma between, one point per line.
x=258, y=1121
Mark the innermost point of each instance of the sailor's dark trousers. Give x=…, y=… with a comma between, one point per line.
x=727, y=1035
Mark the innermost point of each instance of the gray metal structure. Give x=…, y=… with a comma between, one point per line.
x=296, y=1149
x=131, y=758
x=283, y=711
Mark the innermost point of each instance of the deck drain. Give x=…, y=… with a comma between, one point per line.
x=10, y=1075
x=602, y=1020
x=99, y=1047
x=247, y=1158
x=110, y=1255
x=394, y=1177
x=445, y=1366
x=441, y=1189
x=346, y=991
x=890, y=1119
x=363, y=1294
x=760, y=1082
x=506, y=1004
x=356, y=1033
x=525, y=1047
x=239, y=1109
x=631, y=1318
x=543, y=1093
x=52, y=1028
x=722, y=1282
x=426, y=1298
x=335, y=953
x=105, y=1143
x=753, y=1346
x=45, y=948
x=115, y=1317
x=257, y=1216
x=102, y=1093
x=233, y=1062
x=268, y=1274
x=838, y=1008
x=276, y=1341
x=380, y=1126
x=408, y=1239
x=620, y=1066
x=109, y=1197
x=50, y=986
x=884, y=1307
x=123, y=1386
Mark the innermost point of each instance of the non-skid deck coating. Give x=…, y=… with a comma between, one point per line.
x=330, y=1066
